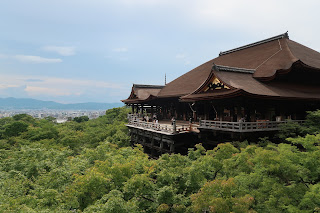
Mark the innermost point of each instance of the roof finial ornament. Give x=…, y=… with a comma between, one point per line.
x=286, y=35
x=214, y=67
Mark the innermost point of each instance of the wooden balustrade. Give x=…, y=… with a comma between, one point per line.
x=134, y=120
x=244, y=126
x=257, y=126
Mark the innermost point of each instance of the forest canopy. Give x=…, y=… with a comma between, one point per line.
x=89, y=166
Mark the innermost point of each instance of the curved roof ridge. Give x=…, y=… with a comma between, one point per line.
x=284, y=35
x=290, y=52
x=306, y=55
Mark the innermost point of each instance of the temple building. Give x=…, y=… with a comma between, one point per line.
x=244, y=92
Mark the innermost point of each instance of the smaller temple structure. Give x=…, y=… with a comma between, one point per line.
x=244, y=92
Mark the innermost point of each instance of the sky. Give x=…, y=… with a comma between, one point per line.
x=73, y=51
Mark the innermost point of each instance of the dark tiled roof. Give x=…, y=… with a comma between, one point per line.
x=250, y=69
x=141, y=92
x=261, y=61
x=188, y=82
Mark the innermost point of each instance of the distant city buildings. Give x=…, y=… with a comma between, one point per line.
x=60, y=115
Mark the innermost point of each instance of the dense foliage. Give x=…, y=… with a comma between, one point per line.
x=88, y=166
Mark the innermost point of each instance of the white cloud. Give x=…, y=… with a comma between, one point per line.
x=180, y=56
x=187, y=62
x=120, y=49
x=36, y=59
x=34, y=80
x=3, y=56
x=41, y=86
x=5, y=86
x=143, y=2
x=255, y=18
x=184, y=58
x=62, y=50
x=80, y=83
x=32, y=90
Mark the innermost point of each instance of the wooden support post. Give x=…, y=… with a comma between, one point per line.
x=161, y=146
x=174, y=126
x=143, y=141
x=172, y=147
x=152, y=146
x=206, y=112
x=239, y=113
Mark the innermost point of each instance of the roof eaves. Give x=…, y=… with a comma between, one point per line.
x=284, y=35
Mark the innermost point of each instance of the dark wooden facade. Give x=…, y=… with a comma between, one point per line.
x=245, y=91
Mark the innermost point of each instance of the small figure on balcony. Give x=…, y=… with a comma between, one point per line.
x=173, y=120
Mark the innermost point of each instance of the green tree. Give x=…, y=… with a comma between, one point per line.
x=81, y=119
x=219, y=196
x=15, y=128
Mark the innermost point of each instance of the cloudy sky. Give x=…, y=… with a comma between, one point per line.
x=74, y=51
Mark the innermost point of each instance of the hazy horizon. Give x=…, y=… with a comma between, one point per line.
x=115, y=102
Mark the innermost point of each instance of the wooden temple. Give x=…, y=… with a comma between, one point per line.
x=244, y=92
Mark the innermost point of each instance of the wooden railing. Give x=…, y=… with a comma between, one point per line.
x=244, y=126
x=134, y=120
x=257, y=126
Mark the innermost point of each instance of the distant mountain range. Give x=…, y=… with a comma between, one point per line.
x=28, y=103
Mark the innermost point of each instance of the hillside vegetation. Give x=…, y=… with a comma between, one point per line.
x=88, y=166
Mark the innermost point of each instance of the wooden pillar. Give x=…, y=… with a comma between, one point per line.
x=161, y=146
x=220, y=112
x=172, y=147
x=143, y=140
x=239, y=113
x=131, y=138
x=231, y=113
x=206, y=111
x=152, y=146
